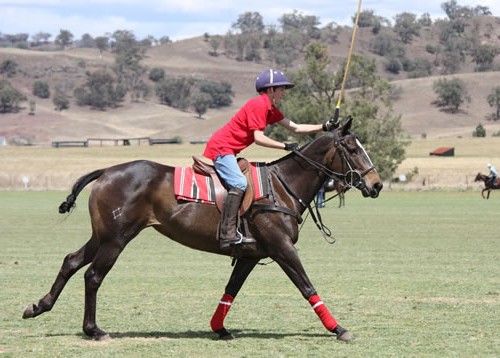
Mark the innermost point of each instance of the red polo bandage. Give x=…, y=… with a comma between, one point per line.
x=217, y=321
x=324, y=315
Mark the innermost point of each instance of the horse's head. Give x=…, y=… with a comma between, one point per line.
x=357, y=169
x=479, y=177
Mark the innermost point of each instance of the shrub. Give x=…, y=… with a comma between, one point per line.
x=61, y=101
x=156, y=74
x=479, y=132
x=41, y=89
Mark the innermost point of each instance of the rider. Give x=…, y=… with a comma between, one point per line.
x=493, y=174
x=246, y=127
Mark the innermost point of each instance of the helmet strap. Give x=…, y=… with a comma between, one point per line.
x=271, y=95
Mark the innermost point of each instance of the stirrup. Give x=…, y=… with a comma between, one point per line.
x=225, y=243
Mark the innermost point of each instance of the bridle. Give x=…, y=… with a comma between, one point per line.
x=351, y=178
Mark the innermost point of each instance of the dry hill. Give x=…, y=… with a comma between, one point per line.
x=191, y=57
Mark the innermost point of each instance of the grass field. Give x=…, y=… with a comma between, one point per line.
x=412, y=274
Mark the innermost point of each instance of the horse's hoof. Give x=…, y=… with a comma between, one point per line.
x=29, y=311
x=96, y=334
x=343, y=334
x=345, y=337
x=227, y=337
x=101, y=338
x=224, y=334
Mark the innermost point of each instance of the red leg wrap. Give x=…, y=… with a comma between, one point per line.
x=217, y=321
x=324, y=315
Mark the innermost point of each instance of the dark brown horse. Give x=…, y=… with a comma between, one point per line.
x=488, y=185
x=127, y=198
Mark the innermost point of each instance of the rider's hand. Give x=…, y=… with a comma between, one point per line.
x=330, y=124
x=291, y=146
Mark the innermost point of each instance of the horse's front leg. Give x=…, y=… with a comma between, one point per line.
x=289, y=261
x=240, y=273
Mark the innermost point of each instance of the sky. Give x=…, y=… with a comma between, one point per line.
x=181, y=19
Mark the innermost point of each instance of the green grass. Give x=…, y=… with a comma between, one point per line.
x=411, y=275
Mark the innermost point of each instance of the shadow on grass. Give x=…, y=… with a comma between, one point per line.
x=247, y=333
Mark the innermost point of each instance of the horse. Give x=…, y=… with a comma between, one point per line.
x=339, y=187
x=488, y=185
x=129, y=197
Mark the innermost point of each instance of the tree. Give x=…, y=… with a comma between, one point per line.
x=220, y=93
x=87, y=41
x=102, y=43
x=367, y=18
x=64, y=38
x=248, y=43
x=215, y=42
x=8, y=68
x=483, y=56
x=40, y=38
x=127, y=67
x=9, y=97
x=406, y=26
x=303, y=28
x=425, y=20
x=249, y=23
x=100, y=92
x=312, y=100
x=175, y=92
x=452, y=93
x=201, y=102
x=494, y=101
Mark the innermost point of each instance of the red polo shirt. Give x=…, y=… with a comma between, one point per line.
x=237, y=134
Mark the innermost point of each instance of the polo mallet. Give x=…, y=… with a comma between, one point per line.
x=335, y=118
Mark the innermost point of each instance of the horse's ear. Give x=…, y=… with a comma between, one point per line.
x=347, y=126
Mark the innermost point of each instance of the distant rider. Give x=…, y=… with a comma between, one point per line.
x=493, y=174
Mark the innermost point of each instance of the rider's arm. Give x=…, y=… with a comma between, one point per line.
x=300, y=128
x=263, y=140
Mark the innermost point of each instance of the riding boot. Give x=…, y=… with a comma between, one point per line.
x=229, y=218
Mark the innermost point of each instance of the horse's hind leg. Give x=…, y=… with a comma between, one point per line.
x=71, y=264
x=240, y=273
x=103, y=262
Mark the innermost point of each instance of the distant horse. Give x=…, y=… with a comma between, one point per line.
x=129, y=197
x=489, y=186
x=339, y=187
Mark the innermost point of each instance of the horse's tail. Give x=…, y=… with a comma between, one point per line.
x=69, y=203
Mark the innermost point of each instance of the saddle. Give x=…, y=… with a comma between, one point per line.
x=203, y=168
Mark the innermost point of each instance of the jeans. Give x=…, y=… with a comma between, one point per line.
x=228, y=169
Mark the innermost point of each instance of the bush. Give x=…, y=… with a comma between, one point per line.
x=157, y=74
x=61, y=102
x=393, y=65
x=479, y=132
x=220, y=92
x=41, y=89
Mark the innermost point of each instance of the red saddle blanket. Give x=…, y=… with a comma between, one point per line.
x=191, y=186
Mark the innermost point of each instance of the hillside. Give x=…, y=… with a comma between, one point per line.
x=191, y=57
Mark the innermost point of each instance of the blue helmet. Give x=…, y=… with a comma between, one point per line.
x=271, y=78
